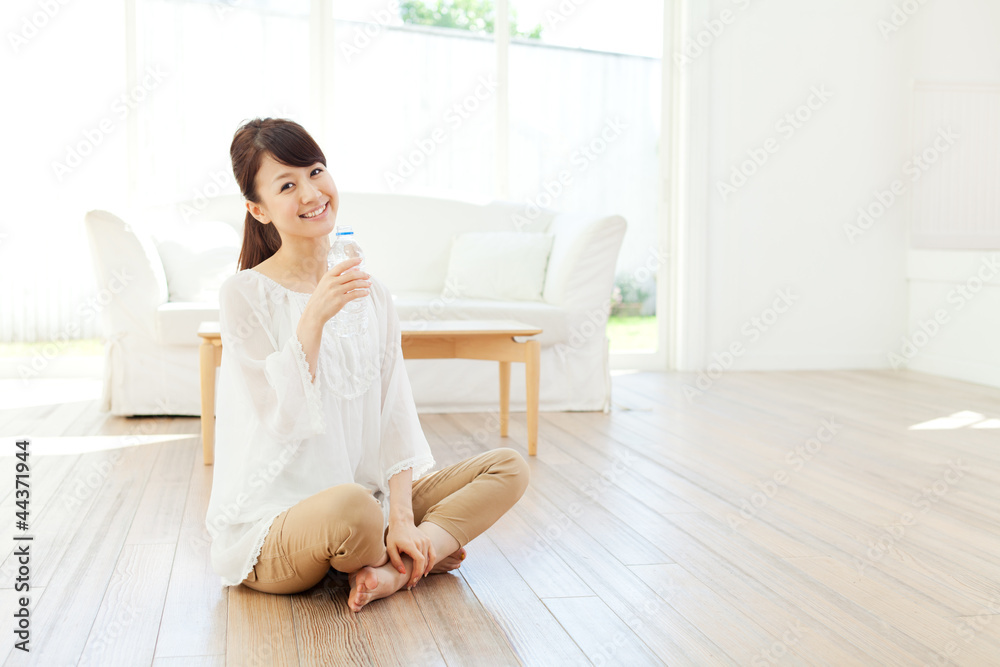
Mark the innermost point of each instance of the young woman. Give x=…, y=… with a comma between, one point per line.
x=319, y=452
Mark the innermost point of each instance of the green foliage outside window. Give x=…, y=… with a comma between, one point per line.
x=472, y=15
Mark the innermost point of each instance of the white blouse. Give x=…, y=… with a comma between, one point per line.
x=280, y=436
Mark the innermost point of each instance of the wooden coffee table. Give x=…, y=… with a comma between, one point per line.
x=491, y=340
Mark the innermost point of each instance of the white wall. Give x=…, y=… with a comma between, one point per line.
x=957, y=42
x=785, y=228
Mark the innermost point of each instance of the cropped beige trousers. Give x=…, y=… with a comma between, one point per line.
x=342, y=526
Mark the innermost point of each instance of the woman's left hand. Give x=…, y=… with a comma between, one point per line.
x=405, y=538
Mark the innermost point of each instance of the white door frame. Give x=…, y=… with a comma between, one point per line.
x=683, y=197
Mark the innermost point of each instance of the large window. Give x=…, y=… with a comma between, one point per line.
x=414, y=110
x=405, y=96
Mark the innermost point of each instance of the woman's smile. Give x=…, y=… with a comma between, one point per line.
x=317, y=212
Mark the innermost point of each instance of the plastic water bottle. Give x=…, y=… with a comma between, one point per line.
x=352, y=319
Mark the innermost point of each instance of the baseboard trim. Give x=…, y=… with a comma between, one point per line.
x=957, y=369
x=808, y=361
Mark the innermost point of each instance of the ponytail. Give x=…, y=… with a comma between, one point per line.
x=260, y=241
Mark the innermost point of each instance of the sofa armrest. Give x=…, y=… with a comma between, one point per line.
x=131, y=283
x=581, y=270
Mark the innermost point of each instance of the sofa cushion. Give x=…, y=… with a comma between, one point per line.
x=177, y=322
x=505, y=266
x=584, y=256
x=197, y=258
x=407, y=238
x=552, y=320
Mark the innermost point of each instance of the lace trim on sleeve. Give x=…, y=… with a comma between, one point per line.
x=311, y=388
x=419, y=464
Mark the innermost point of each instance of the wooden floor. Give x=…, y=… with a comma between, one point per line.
x=810, y=518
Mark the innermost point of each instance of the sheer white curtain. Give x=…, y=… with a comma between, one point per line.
x=221, y=63
x=201, y=68
x=586, y=116
x=585, y=135
x=64, y=117
x=414, y=110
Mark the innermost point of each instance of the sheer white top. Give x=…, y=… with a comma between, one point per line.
x=281, y=436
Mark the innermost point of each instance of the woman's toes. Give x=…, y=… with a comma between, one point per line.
x=363, y=584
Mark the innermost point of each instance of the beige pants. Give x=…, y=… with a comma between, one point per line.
x=342, y=527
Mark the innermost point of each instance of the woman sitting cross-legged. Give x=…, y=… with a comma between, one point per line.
x=319, y=452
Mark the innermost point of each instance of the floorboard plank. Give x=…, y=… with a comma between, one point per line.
x=397, y=633
x=465, y=632
x=124, y=631
x=604, y=637
x=194, y=618
x=327, y=631
x=261, y=630
x=161, y=509
x=536, y=637
x=539, y=566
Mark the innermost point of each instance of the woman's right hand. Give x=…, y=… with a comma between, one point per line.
x=334, y=290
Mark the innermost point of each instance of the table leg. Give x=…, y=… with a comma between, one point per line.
x=504, y=397
x=207, y=368
x=531, y=373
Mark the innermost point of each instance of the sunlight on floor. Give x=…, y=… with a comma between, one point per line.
x=56, y=446
x=957, y=420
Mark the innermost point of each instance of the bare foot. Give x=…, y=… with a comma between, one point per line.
x=450, y=562
x=373, y=583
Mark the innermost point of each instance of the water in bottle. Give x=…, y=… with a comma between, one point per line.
x=352, y=319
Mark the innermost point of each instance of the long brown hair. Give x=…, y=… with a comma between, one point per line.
x=288, y=143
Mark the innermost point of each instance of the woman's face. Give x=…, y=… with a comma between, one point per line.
x=298, y=201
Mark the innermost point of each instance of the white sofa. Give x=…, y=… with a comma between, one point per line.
x=151, y=358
